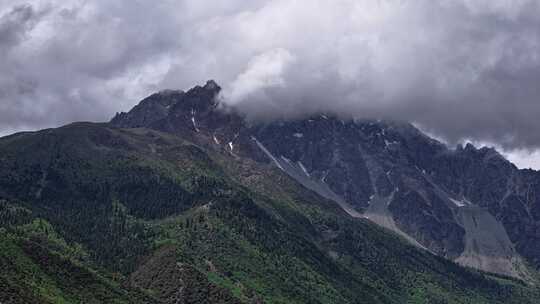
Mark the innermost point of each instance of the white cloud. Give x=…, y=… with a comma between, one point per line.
x=524, y=159
x=263, y=71
x=461, y=68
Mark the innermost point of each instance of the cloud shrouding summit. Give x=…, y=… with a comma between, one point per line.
x=459, y=68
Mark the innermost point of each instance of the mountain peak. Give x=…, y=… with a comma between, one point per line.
x=166, y=102
x=212, y=86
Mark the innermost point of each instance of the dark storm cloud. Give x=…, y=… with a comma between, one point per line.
x=14, y=24
x=461, y=69
x=78, y=60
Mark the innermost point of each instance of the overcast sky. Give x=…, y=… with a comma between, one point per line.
x=461, y=69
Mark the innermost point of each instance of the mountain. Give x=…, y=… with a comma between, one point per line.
x=466, y=204
x=184, y=200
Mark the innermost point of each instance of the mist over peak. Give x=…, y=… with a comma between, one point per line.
x=460, y=69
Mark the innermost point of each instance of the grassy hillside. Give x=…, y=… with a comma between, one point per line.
x=102, y=215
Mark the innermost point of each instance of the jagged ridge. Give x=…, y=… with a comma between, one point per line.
x=428, y=187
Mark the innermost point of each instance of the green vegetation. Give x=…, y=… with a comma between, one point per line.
x=94, y=214
x=34, y=272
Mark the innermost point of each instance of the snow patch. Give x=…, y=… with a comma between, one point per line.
x=371, y=197
x=193, y=121
x=263, y=148
x=388, y=143
x=215, y=139
x=458, y=203
x=303, y=169
x=194, y=124
x=323, y=179
x=298, y=135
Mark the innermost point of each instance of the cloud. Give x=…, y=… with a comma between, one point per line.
x=263, y=72
x=14, y=24
x=458, y=68
x=525, y=159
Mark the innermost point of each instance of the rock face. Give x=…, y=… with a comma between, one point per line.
x=466, y=204
x=487, y=245
x=150, y=110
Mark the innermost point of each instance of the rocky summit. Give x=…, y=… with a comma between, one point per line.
x=466, y=204
x=183, y=199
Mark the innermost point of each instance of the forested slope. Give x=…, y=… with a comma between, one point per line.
x=99, y=214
